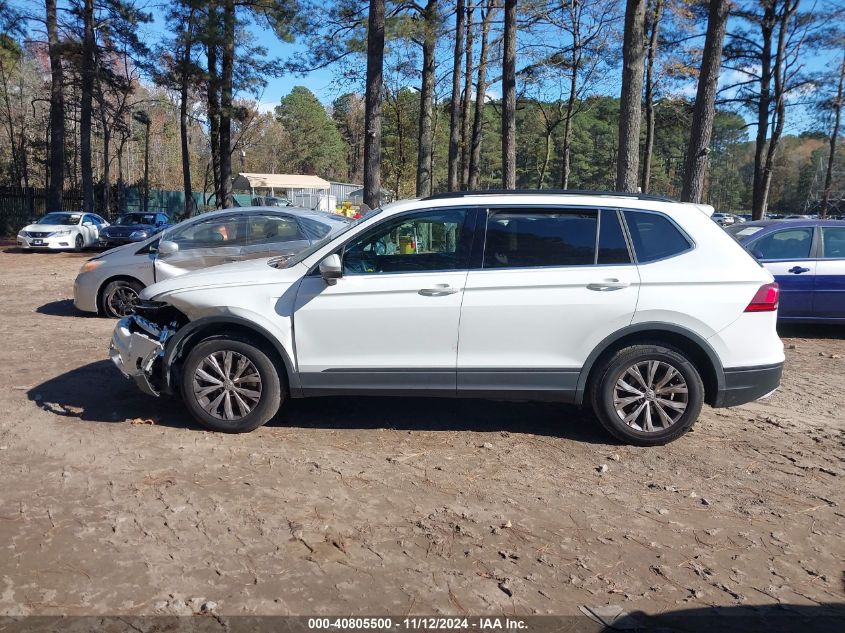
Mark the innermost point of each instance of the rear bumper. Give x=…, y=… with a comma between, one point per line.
x=745, y=384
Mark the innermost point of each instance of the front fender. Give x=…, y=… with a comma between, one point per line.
x=280, y=339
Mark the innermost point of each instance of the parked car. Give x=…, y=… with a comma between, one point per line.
x=723, y=219
x=133, y=227
x=110, y=283
x=807, y=258
x=643, y=308
x=61, y=230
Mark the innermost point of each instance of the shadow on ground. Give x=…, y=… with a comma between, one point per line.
x=63, y=307
x=98, y=393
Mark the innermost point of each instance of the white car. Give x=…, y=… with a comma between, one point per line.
x=110, y=283
x=640, y=307
x=62, y=230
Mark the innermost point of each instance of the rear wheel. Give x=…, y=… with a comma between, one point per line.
x=120, y=297
x=647, y=394
x=230, y=385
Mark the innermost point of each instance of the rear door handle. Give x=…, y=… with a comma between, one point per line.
x=798, y=270
x=439, y=290
x=608, y=284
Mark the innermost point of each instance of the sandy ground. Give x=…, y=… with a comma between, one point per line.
x=112, y=502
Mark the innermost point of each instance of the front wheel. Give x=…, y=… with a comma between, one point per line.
x=120, y=297
x=647, y=395
x=79, y=243
x=230, y=385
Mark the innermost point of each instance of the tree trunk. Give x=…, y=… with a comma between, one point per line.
x=653, y=30
x=183, y=116
x=567, y=123
x=758, y=199
x=106, y=180
x=426, y=139
x=466, y=104
x=509, y=98
x=213, y=99
x=10, y=125
x=546, y=157
x=85, y=107
x=834, y=135
x=630, y=109
x=480, y=91
x=704, y=111
x=455, y=102
x=372, y=104
x=227, y=66
x=56, y=182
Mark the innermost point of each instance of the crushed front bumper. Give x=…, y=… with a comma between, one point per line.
x=136, y=346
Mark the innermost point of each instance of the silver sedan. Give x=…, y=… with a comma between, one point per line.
x=110, y=283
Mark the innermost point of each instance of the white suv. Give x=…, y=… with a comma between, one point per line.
x=639, y=306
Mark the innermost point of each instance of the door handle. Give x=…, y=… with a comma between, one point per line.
x=608, y=284
x=798, y=270
x=439, y=290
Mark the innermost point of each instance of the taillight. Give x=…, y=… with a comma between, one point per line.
x=766, y=299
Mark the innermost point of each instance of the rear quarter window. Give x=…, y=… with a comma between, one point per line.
x=655, y=236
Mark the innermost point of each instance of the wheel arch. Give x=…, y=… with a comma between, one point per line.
x=700, y=352
x=201, y=329
x=107, y=281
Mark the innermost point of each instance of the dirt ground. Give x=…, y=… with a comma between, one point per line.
x=112, y=502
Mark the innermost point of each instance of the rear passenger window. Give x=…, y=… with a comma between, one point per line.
x=788, y=244
x=833, y=239
x=612, y=246
x=531, y=238
x=654, y=236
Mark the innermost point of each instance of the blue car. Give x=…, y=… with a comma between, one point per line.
x=133, y=227
x=807, y=258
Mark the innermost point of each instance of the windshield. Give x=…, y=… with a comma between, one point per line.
x=136, y=218
x=65, y=219
x=285, y=261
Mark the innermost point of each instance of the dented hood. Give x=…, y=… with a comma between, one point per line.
x=246, y=273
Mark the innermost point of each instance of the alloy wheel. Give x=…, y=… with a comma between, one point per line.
x=122, y=300
x=650, y=395
x=227, y=385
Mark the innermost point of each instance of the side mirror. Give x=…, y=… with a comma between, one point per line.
x=757, y=253
x=331, y=269
x=166, y=247
x=87, y=223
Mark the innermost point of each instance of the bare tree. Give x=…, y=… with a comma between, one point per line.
x=509, y=98
x=56, y=180
x=836, y=107
x=704, y=111
x=480, y=93
x=655, y=13
x=466, y=103
x=85, y=109
x=455, y=102
x=630, y=107
x=372, y=104
x=426, y=136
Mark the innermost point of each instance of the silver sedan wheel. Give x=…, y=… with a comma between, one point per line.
x=227, y=385
x=650, y=396
x=122, y=300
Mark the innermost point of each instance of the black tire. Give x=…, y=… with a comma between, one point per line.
x=268, y=403
x=603, y=391
x=78, y=243
x=114, y=300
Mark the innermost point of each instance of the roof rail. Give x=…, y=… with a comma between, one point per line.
x=546, y=192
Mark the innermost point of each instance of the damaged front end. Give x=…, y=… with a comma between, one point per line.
x=139, y=342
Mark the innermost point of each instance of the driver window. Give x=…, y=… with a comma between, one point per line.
x=434, y=240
